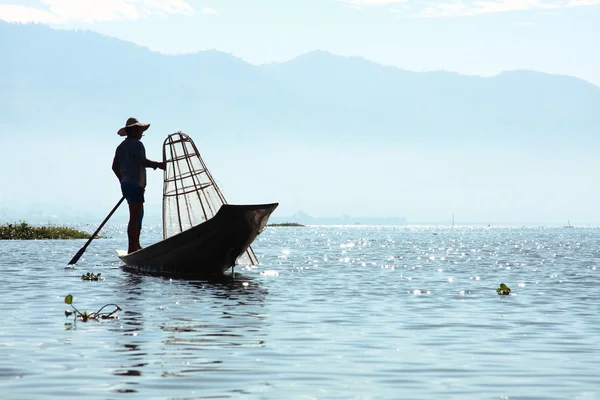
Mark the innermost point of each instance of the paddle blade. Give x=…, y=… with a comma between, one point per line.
x=77, y=256
x=95, y=234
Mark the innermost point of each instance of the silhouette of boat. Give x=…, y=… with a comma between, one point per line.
x=202, y=234
x=206, y=249
x=569, y=225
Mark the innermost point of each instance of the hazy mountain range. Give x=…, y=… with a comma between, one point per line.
x=322, y=133
x=49, y=78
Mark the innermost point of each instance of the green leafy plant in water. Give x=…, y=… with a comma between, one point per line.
x=84, y=316
x=91, y=277
x=503, y=290
x=24, y=231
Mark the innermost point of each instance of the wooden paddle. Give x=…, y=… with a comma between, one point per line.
x=82, y=250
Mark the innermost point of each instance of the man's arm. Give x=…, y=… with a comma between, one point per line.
x=140, y=155
x=116, y=167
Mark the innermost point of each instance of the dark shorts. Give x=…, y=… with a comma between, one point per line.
x=132, y=193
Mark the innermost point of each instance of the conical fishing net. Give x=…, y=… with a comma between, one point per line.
x=190, y=194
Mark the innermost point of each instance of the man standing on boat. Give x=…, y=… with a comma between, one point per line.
x=129, y=165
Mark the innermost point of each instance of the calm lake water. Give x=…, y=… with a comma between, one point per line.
x=331, y=313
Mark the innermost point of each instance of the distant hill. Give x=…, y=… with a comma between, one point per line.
x=389, y=99
x=305, y=219
x=52, y=78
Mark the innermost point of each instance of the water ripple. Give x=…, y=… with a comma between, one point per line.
x=332, y=312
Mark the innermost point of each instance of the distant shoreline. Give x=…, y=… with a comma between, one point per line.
x=286, y=224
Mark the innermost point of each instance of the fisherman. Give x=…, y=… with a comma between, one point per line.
x=129, y=165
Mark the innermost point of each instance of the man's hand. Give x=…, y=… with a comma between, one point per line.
x=162, y=165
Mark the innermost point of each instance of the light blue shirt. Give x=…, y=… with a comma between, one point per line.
x=130, y=157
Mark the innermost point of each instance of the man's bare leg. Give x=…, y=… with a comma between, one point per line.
x=139, y=227
x=133, y=231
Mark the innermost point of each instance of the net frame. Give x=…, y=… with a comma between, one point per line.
x=179, y=154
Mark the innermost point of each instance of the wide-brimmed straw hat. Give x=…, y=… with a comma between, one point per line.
x=132, y=122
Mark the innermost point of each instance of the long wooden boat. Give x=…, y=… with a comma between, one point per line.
x=209, y=248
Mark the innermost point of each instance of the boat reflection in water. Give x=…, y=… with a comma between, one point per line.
x=192, y=330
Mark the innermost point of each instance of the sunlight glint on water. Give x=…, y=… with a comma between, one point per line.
x=332, y=312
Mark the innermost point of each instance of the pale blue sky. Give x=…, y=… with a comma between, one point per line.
x=472, y=37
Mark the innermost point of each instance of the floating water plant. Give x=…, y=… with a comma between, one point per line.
x=91, y=277
x=503, y=290
x=84, y=316
x=24, y=231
